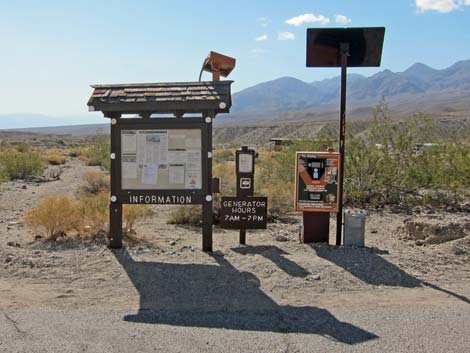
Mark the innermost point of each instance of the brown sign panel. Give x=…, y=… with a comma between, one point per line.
x=316, y=186
x=243, y=212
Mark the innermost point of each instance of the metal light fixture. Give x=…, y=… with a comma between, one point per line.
x=218, y=65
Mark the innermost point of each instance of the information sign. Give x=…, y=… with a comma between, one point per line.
x=316, y=186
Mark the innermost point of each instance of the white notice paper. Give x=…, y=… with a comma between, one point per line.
x=129, y=142
x=152, y=149
x=163, y=147
x=149, y=174
x=245, y=163
x=177, y=157
x=129, y=166
x=176, y=174
x=193, y=170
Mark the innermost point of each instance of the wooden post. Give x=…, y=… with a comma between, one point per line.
x=207, y=206
x=114, y=238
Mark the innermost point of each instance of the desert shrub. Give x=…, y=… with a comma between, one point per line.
x=224, y=155
x=94, y=212
x=274, y=172
x=383, y=165
x=55, y=215
x=226, y=172
x=75, y=152
x=132, y=213
x=95, y=182
x=15, y=164
x=98, y=153
x=187, y=214
x=54, y=156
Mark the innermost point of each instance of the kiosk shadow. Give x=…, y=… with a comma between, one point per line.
x=276, y=255
x=219, y=296
x=366, y=265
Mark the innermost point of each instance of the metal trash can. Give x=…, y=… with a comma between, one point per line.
x=354, y=229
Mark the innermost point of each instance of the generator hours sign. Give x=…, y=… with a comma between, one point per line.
x=316, y=187
x=243, y=212
x=161, y=159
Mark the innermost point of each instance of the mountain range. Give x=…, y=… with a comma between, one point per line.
x=420, y=88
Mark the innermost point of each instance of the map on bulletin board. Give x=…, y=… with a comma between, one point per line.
x=161, y=159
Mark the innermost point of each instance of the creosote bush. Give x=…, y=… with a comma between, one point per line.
x=98, y=153
x=20, y=163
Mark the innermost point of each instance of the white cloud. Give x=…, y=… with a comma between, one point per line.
x=263, y=21
x=344, y=20
x=261, y=38
x=307, y=18
x=443, y=6
x=285, y=36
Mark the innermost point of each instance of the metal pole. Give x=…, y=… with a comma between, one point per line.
x=344, y=50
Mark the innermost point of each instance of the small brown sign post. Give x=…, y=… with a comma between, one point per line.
x=164, y=160
x=317, y=192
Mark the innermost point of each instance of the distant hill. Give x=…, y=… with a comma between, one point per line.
x=404, y=90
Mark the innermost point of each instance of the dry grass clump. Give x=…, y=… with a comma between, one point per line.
x=88, y=215
x=55, y=215
x=54, y=156
x=95, y=182
x=132, y=213
x=94, y=212
x=187, y=214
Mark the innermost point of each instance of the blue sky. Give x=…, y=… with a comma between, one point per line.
x=53, y=50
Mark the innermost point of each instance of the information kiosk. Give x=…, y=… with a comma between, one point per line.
x=161, y=160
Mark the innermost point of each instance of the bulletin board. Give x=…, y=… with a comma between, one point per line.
x=161, y=159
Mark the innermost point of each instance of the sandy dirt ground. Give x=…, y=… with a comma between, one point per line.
x=267, y=287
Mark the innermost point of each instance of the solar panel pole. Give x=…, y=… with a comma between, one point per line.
x=344, y=52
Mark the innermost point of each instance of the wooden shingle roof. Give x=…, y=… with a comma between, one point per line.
x=183, y=97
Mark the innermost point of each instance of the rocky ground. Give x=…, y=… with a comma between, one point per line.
x=165, y=270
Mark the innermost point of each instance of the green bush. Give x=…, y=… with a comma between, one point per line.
x=20, y=163
x=98, y=153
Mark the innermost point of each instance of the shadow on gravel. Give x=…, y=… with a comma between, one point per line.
x=219, y=296
x=367, y=265
x=276, y=255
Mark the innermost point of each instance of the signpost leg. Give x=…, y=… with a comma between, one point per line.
x=115, y=208
x=344, y=49
x=242, y=236
x=115, y=226
x=316, y=227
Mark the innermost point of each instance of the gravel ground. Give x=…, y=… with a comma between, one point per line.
x=161, y=293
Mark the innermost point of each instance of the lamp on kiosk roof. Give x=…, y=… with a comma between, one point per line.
x=218, y=65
